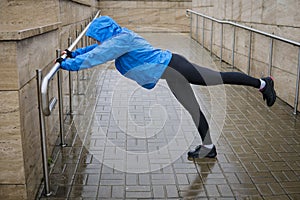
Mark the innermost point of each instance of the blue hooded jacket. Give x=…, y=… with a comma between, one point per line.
x=134, y=57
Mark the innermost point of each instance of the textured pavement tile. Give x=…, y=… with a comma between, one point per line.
x=105, y=191
x=162, y=179
x=159, y=191
x=135, y=194
x=118, y=192
x=243, y=177
x=262, y=177
x=231, y=178
x=172, y=191
x=277, y=197
x=84, y=191
x=276, y=188
x=182, y=179
x=294, y=196
x=212, y=191
x=80, y=179
x=291, y=187
x=93, y=179
x=225, y=190
x=264, y=189
x=244, y=189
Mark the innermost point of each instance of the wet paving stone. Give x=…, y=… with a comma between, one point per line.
x=129, y=143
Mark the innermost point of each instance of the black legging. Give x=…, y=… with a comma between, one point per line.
x=181, y=73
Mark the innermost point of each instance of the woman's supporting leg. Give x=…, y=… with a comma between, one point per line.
x=183, y=92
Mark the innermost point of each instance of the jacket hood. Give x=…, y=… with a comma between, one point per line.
x=103, y=28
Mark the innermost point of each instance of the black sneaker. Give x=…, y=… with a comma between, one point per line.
x=268, y=91
x=203, y=152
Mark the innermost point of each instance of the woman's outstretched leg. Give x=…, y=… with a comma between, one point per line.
x=198, y=75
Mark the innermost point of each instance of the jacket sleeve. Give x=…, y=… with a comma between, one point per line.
x=83, y=50
x=108, y=50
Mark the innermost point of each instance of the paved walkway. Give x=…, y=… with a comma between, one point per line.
x=129, y=143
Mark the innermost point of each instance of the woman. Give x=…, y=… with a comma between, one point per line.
x=136, y=59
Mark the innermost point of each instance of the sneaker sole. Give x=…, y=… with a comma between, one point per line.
x=273, y=92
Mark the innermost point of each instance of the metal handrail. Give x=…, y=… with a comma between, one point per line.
x=246, y=28
x=48, y=107
x=252, y=30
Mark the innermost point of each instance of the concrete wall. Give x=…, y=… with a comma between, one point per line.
x=30, y=32
x=278, y=17
x=150, y=15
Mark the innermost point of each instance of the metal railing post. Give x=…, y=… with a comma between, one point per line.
x=270, y=57
x=77, y=73
x=82, y=45
x=297, y=85
x=203, y=24
x=211, y=36
x=43, y=135
x=86, y=41
x=221, y=50
x=60, y=101
x=70, y=84
x=249, y=52
x=191, y=26
x=233, y=46
x=81, y=40
x=89, y=41
x=197, y=27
